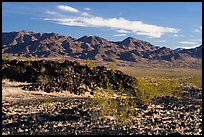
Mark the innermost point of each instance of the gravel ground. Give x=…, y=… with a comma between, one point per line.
x=25, y=112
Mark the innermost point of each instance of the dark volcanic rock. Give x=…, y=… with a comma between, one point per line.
x=66, y=116
x=52, y=76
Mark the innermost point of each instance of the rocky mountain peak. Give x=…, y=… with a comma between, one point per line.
x=93, y=47
x=93, y=39
x=128, y=40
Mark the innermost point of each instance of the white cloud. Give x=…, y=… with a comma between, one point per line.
x=189, y=47
x=68, y=22
x=198, y=40
x=188, y=42
x=191, y=44
x=176, y=35
x=161, y=41
x=199, y=29
x=87, y=9
x=119, y=35
x=137, y=27
x=54, y=13
x=122, y=31
x=85, y=14
x=51, y=12
x=67, y=8
x=196, y=30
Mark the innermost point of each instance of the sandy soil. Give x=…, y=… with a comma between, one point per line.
x=11, y=91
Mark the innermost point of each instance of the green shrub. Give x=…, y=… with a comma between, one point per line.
x=47, y=100
x=43, y=79
x=154, y=87
x=36, y=56
x=5, y=57
x=42, y=69
x=108, y=85
x=90, y=63
x=121, y=108
x=27, y=64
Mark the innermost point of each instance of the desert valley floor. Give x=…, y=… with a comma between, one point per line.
x=37, y=112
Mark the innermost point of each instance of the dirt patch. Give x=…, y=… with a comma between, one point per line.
x=12, y=91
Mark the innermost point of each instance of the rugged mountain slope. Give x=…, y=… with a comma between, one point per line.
x=42, y=44
x=132, y=44
x=178, y=49
x=93, y=47
x=194, y=52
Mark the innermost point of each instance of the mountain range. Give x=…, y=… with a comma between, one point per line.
x=92, y=47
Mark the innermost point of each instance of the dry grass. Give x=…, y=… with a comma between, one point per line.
x=167, y=72
x=152, y=82
x=183, y=75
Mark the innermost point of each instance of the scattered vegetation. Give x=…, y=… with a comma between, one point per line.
x=5, y=57
x=42, y=69
x=47, y=100
x=187, y=76
x=43, y=78
x=152, y=82
x=21, y=57
x=36, y=56
x=112, y=65
x=191, y=81
x=163, y=82
x=153, y=87
x=27, y=64
x=117, y=107
x=90, y=63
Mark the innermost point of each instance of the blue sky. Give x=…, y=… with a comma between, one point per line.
x=170, y=24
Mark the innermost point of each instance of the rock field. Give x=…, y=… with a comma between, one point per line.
x=71, y=116
x=41, y=106
x=52, y=76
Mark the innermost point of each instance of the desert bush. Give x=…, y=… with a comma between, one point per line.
x=154, y=87
x=42, y=69
x=90, y=63
x=108, y=84
x=192, y=81
x=27, y=64
x=120, y=108
x=5, y=57
x=197, y=83
x=21, y=57
x=36, y=56
x=146, y=91
x=47, y=100
x=43, y=78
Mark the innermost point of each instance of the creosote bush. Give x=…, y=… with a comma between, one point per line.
x=154, y=87
x=5, y=57
x=27, y=64
x=47, y=100
x=90, y=63
x=119, y=107
x=43, y=78
x=36, y=56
